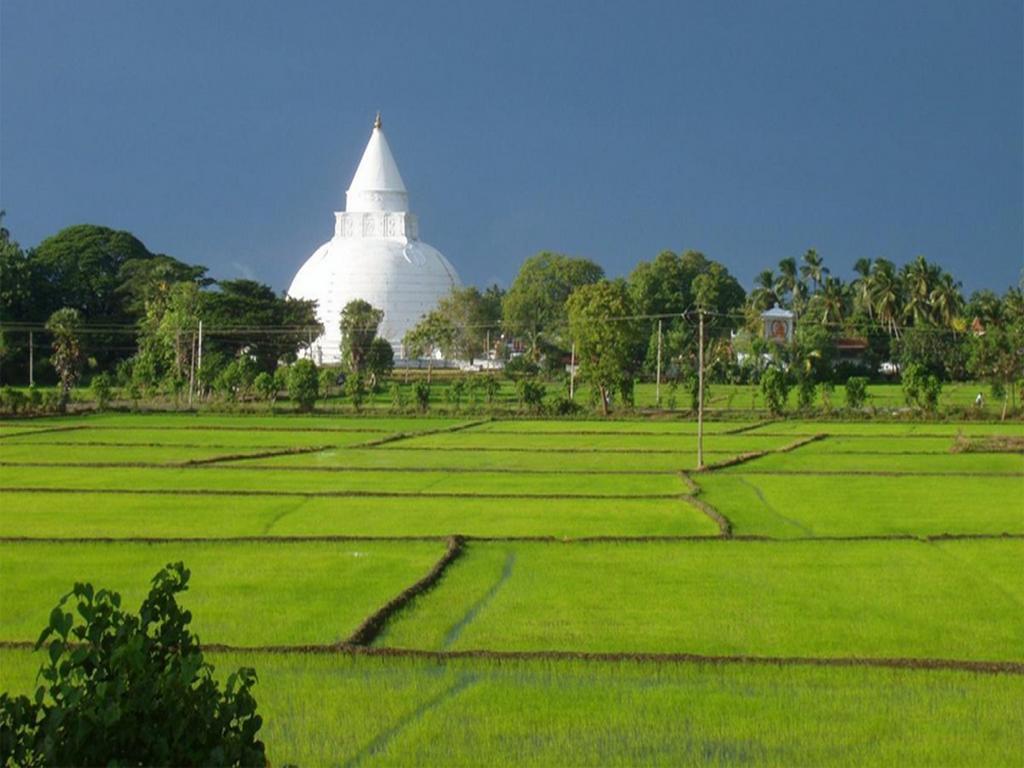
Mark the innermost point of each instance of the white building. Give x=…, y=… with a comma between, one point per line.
x=375, y=255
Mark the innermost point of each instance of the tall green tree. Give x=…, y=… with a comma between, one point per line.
x=461, y=324
x=813, y=268
x=674, y=284
x=359, y=323
x=247, y=317
x=534, y=308
x=606, y=339
x=65, y=325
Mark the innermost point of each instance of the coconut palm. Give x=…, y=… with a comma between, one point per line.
x=887, y=295
x=947, y=302
x=918, y=278
x=813, y=268
x=789, y=288
x=862, y=287
x=763, y=296
x=833, y=301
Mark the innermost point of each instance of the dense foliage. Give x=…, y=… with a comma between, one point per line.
x=125, y=689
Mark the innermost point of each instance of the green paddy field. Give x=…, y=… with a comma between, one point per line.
x=830, y=593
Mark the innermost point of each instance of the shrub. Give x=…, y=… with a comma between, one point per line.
x=856, y=392
x=121, y=689
x=805, y=392
x=355, y=390
x=303, y=385
x=101, y=386
x=453, y=395
x=521, y=366
x=265, y=386
x=921, y=388
x=380, y=361
x=563, y=406
x=236, y=378
x=827, y=390
x=491, y=387
x=52, y=399
x=531, y=394
x=421, y=391
x=11, y=399
x=327, y=379
x=397, y=396
x=775, y=388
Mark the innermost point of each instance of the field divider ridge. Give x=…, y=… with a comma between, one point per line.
x=199, y=463
x=372, y=626
x=512, y=539
x=23, y=433
x=748, y=427
x=723, y=523
x=209, y=464
x=341, y=494
x=396, y=436
x=877, y=473
x=743, y=458
x=347, y=649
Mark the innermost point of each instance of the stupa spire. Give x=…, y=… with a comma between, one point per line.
x=377, y=184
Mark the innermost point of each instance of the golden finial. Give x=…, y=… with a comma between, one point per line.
x=377, y=123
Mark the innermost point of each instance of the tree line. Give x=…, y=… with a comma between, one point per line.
x=134, y=317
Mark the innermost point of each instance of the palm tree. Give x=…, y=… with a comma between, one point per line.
x=862, y=287
x=834, y=294
x=887, y=295
x=946, y=300
x=919, y=277
x=813, y=268
x=763, y=296
x=788, y=284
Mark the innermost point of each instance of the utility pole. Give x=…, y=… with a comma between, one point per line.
x=199, y=357
x=572, y=372
x=657, y=385
x=192, y=369
x=31, y=361
x=700, y=393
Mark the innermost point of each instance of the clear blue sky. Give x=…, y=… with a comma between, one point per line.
x=225, y=133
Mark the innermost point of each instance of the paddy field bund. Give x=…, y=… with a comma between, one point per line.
x=534, y=592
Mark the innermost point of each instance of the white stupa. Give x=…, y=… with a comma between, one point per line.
x=375, y=255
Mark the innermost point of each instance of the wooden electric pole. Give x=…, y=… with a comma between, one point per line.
x=31, y=361
x=572, y=372
x=657, y=381
x=700, y=393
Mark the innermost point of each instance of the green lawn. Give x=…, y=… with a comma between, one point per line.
x=876, y=599
x=240, y=594
x=62, y=515
x=850, y=505
x=331, y=710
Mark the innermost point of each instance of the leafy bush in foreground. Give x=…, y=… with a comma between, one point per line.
x=121, y=689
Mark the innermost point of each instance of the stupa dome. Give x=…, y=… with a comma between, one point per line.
x=375, y=255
